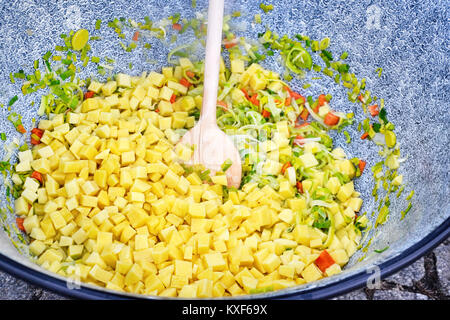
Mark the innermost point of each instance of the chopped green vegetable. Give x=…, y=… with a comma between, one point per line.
x=382, y=250
x=379, y=71
x=98, y=24
x=347, y=136
x=12, y=101
x=266, y=8
x=403, y=213
x=383, y=115
x=410, y=195
x=226, y=165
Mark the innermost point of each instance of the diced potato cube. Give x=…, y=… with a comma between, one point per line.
x=197, y=210
x=220, y=180
x=339, y=256
x=346, y=167
x=271, y=262
x=345, y=191
x=31, y=184
x=237, y=96
x=88, y=201
x=153, y=93
x=37, y=247
x=156, y=79
x=29, y=195
x=308, y=160
x=109, y=88
x=100, y=274
x=355, y=204
x=258, y=81
x=128, y=158
x=45, y=152
x=237, y=66
x=177, y=87
x=215, y=261
x=185, y=63
x=183, y=268
x=170, y=179
x=311, y=273
x=165, y=109
x=123, y=80
x=23, y=166
x=165, y=93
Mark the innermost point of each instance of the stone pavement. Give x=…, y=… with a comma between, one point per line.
x=427, y=278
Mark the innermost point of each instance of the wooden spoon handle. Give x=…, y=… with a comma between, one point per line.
x=212, y=61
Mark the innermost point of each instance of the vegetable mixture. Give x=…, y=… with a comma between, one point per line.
x=105, y=197
x=110, y=199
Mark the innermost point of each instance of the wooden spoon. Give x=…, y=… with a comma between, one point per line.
x=212, y=146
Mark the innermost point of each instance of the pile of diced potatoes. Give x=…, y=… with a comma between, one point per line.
x=118, y=210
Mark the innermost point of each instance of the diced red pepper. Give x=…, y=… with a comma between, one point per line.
x=304, y=124
x=298, y=141
x=38, y=132
x=361, y=98
x=156, y=110
x=246, y=94
x=19, y=222
x=34, y=141
x=190, y=74
x=88, y=94
x=331, y=119
x=21, y=128
x=324, y=261
x=295, y=95
x=254, y=99
x=223, y=104
x=361, y=165
x=322, y=99
x=287, y=102
x=373, y=109
x=172, y=98
x=185, y=82
x=364, y=135
x=177, y=26
x=316, y=108
x=300, y=186
x=37, y=175
x=136, y=36
x=230, y=44
x=304, y=114
x=285, y=167
x=265, y=113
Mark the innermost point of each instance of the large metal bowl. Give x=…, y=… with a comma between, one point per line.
x=408, y=39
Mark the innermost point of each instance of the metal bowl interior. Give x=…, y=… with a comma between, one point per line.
x=407, y=39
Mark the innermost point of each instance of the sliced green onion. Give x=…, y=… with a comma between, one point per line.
x=98, y=24
x=347, y=136
x=12, y=101
x=266, y=8
x=226, y=165
x=410, y=195
x=324, y=43
x=382, y=250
